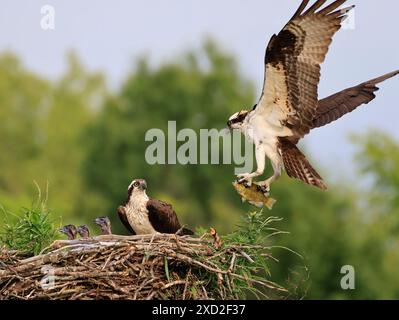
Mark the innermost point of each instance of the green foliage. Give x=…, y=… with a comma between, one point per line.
x=41, y=135
x=250, y=248
x=89, y=143
x=254, y=229
x=378, y=159
x=195, y=98
x=31, y=231
x=258, y=232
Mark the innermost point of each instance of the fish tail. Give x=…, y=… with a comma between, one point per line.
x=270, y=203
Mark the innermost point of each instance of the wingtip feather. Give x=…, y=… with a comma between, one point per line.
x=331, y=7
x=315, y=6
x=383, y=78
x=320, y=184
x=300, y=9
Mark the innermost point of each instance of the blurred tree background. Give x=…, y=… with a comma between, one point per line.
x=88, y=143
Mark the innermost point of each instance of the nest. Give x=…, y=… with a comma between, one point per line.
x=157, y=266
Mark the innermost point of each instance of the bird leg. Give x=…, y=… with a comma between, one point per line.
x=260, y=162
x=246, y=178
x=265, y=185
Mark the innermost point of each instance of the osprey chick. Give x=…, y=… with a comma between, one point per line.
x=143, y=215
x=289, y=107
x=105, y=225
x=70, y=231
x=83, y=231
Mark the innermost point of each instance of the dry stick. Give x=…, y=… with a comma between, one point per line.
x=232, y=263
x=143, y=284
x=171, y=284
x=205, y=293
x=186, y=285
x=107, y=261
x=246, y=256
x=151, y=296
x=265, y=283
x=126, y=266
x=269, y=256
x=85, y=265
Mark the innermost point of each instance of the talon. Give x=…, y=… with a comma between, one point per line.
x=265, y=190
x=245, y=178
x=246, y=182
x=264, y=187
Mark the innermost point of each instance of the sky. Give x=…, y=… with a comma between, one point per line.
x=109, y=35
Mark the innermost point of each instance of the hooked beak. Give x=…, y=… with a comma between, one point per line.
x=143, y=185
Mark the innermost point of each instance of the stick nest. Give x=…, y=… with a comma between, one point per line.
x=160, y=266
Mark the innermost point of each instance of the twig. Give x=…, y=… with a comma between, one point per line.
x=132, y=267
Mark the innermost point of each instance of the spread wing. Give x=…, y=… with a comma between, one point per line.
x=123, y=218
x=292, y=66
x=162, y=216
x=337, y=105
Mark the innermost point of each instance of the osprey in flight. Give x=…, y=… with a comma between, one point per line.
x=142, y=215
x=289, y=107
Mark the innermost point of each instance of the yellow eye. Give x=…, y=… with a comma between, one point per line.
x=136, y=184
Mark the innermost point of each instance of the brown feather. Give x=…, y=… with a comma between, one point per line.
x=316, y=6
x=124, y=220
x=297, y=166
x=301, y=8
x=162, y=216
x=341, y=13
x=292, y=67
x=332, y=7
x=339, y=104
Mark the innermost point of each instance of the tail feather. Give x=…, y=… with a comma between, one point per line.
x=297, y=166
x=341, y=103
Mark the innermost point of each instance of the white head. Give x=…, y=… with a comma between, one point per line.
x=137, y=186
x=237, y=120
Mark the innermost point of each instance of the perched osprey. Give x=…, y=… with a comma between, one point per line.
x=289, y=107
x=142, y=215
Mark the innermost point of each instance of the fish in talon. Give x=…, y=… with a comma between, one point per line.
x=254, y=194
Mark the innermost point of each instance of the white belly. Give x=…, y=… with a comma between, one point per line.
x=260, y=131
x=264, y=133
x=137, y=216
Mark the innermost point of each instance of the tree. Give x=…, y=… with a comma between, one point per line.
x=195, y=98
x=41, y=133
x=23, y=103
